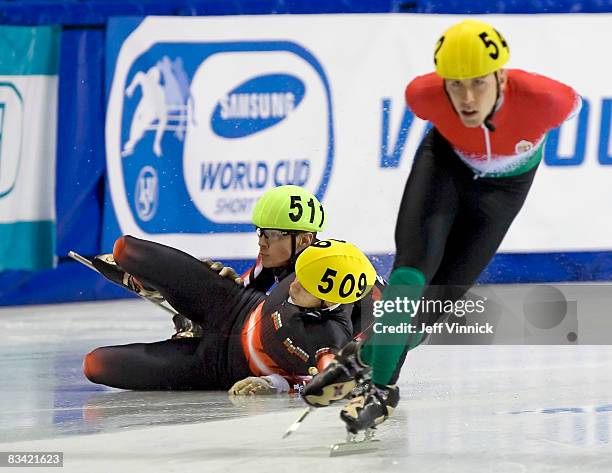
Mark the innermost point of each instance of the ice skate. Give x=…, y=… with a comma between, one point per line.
x=361, y=415
x=338, y=379
x=370, y=408
x=106, y=265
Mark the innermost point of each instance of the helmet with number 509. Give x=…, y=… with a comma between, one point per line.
x=335, y=271
x=470, y=49
x=290, y=208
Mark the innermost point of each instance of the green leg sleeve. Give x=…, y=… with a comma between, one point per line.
x=383, y=351
x=367, y=353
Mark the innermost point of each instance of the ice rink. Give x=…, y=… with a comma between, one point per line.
x=495, y=409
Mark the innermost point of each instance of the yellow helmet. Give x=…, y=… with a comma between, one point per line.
x=289, y=208
x=469, y=49
x=335, y=271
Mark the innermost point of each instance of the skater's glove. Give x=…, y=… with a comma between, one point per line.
x=216, y=266
x=253, y=385
x=230, y=273
x=223, y=271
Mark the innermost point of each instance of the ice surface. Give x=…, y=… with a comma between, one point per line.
x=464, y=408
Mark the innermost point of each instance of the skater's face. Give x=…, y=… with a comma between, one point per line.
x=473, y=99
x=275, y=246
x=301, y=296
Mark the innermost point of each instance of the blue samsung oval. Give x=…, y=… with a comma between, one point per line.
x=257, y=104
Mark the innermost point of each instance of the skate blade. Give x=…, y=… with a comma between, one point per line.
x=81, y=259
x=354, y=448
x=296, y=425
x=161, y=303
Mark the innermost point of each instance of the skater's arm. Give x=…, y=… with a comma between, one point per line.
x=331, y=333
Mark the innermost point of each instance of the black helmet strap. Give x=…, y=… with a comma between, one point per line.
x=293, y=256
x=487, y=121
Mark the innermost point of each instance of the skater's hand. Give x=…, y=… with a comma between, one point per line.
x=230, y=273
x=252, y=385
x=216, y=266
x=223, y=271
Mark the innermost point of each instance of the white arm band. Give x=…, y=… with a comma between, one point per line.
x=278, y=382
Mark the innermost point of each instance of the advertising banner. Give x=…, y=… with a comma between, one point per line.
x=204, y=114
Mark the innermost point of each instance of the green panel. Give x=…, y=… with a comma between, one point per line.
x=29, y=50
x=27, y=245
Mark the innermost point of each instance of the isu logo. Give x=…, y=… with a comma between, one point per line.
x=146, y=193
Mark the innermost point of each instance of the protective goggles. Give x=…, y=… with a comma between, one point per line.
x=271, y=234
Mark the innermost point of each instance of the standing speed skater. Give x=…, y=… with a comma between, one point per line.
x=470, y=177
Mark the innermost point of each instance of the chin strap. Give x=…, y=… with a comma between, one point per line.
x=487, y=121
x=293, y=257
x=280, y=273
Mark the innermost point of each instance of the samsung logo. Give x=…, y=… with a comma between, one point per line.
x=257, y=104
x=253, y=106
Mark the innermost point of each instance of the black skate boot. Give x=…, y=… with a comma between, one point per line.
x=364, y=412
x=106, y=265
x=186, y=328
x=339, y=379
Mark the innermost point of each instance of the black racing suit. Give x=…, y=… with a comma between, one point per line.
x=221, y=307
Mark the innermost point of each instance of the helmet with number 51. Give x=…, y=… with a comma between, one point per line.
x=287, y=219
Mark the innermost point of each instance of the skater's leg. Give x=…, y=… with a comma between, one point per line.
x=188, y=284
x=488, y=208
x=170, y=364
x=427, y=213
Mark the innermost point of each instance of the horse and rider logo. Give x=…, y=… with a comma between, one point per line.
x=197, y=131
x=165, y=104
